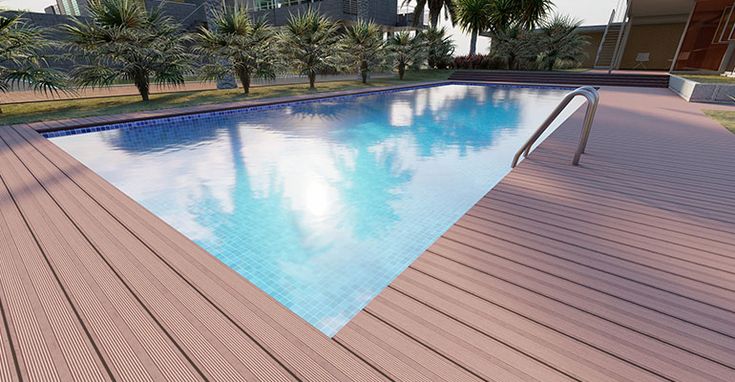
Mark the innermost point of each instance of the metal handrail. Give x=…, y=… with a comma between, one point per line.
x=593, y=99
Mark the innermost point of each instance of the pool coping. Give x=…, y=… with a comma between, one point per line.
x=47, y=128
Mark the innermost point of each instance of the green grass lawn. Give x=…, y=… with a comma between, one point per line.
x=62, y=109
x=724, y=117
x=710, y=79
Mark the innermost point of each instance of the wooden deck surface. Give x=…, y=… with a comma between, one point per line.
x=622, y=269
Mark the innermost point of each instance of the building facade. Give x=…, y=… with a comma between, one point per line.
x=672, y=35
x=383, y=12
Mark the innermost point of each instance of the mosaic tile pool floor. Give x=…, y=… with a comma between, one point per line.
x=322, y=204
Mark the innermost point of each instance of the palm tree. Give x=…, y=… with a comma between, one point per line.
x=243, y=47
x=530, y=13
x=561, y=42
x=123, y=41
x=526, y=14
x=439, y=48
x=515, y=46
x=473, y=16
x=435, y=9
x=364, y=47
x=406, y=50
x=311, y=43
x=21, y=60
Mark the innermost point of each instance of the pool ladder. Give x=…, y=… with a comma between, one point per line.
x=593, y=99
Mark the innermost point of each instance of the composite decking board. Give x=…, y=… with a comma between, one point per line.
x=8, y=370
x=649, y=182
x=482, y=355
x=564, y=353
x=120, y=327
x=678, y=266
x=215, y=345
x=45, y=330
x=396, y=354
x=651, y=239
x=609, y=209
x=660, y=300
x=647, y=274
x=645, y=352
x=291, y=340
x=667, y=328
x=615, y=200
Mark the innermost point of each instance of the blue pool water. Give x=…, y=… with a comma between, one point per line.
x=322, y=204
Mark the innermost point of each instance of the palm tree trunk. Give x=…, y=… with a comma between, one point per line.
x=312, y=81
x=434, y=19
x=401, y=71
x=244, y=76
x=473, y=42
x=364, y=71
x=143, y=87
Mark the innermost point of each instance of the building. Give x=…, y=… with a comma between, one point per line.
x=52, y=10
x=383, y=12
x=72, y=7
x=672, y=35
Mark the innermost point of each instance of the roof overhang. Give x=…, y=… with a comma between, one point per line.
x=655, y=8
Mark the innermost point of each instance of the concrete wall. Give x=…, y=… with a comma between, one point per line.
x=590, y=50
x=661, y=40
x=693, y=91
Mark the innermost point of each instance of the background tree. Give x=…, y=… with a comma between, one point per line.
x=21, y=58
x=473, y=16
x=526, y=14
x=435, y=9
x=439, y=48
x=311, y=43
x=242, y=47
x=560, y=42
x=406, y=50
x=123, y=41
x=515, y=47
x=364, y=46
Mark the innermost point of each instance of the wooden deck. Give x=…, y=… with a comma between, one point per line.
x=621, y=269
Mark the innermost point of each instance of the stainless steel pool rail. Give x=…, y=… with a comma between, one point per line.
x=593, y=99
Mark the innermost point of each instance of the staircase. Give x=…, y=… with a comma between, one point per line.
x=606, y=50
x=591, y=78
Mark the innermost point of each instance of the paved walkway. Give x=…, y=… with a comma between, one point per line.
x=620, y=269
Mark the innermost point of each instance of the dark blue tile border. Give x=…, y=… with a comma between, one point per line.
x=246, y=109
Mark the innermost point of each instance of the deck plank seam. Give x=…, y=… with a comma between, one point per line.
x=70, y=301
x=368, y=311
x=487, y=201
x=595, y=289
x=541, y=178
x=114, y=271
x=602, y=239
x=481, y=332
x=586, y=311
x=586, y=343
x=711, y=284
x=589, y=209
x=356, y=354
x=11, y=348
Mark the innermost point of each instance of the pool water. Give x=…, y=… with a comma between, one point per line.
x=323, y=204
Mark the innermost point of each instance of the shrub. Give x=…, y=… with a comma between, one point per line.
x=475, y=61
x=439, y=48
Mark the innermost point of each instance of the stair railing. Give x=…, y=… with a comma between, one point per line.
x=593, y=100
x=604, y=38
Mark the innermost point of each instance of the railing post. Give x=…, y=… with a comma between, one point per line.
x=593, y=100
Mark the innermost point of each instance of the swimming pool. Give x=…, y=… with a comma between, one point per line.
x=321, y=204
